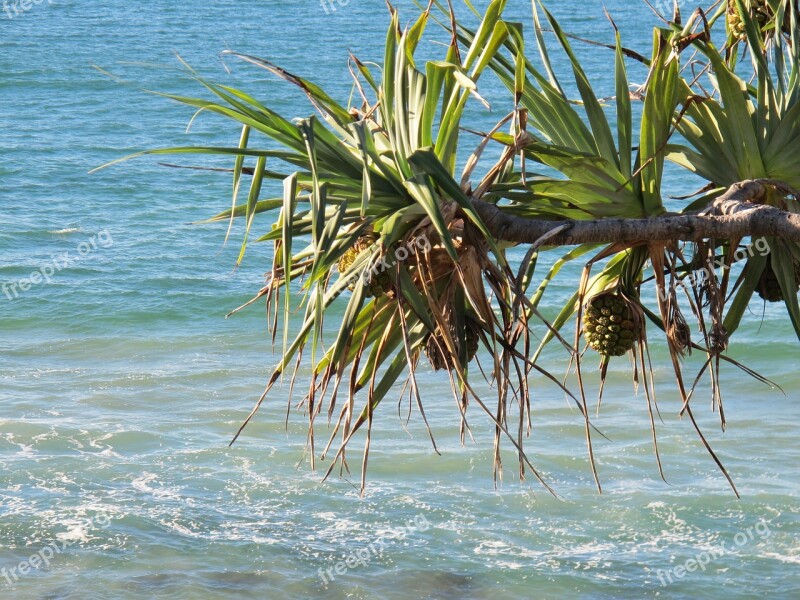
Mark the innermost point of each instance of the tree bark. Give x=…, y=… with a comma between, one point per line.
x=733, y=215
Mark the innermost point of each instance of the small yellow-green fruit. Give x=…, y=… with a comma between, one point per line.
x=348, y=258
x=759, y=10
x=351, y=254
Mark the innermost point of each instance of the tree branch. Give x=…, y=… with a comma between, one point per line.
x=735, y=214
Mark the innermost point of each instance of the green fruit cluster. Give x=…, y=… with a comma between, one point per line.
x=759, y=10
x=380, y=284
x=473, y=342
x=769, y=288
x=434, y=353
x=609, y=324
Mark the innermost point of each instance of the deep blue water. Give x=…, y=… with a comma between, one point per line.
x=122, y=382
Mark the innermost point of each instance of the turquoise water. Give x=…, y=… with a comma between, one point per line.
x=122, y=382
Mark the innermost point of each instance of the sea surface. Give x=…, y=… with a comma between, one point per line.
x=122, y=382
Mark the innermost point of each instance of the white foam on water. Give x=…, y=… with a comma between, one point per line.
x=78, y=532
x=795, y=560
x=25, y=450
x=185, y=531
x=142, y=483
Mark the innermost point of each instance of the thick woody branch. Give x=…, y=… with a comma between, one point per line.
x=733, y=215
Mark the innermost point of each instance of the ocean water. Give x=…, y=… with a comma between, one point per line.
x=121, y=381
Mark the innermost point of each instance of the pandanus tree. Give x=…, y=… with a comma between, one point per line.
x=431, y=250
